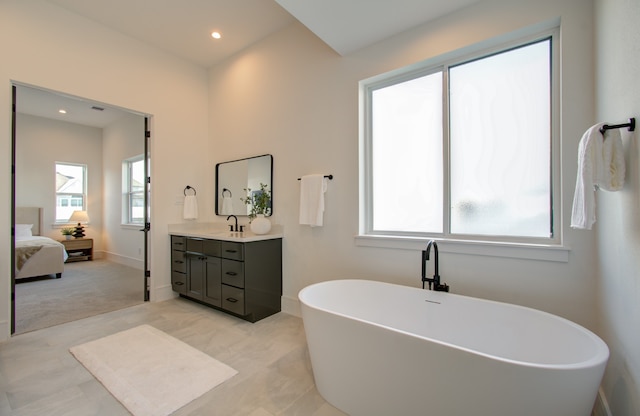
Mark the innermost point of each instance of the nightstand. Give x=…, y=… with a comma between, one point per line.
x=79, y=249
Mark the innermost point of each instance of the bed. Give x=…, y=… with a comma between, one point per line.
x=36, y=255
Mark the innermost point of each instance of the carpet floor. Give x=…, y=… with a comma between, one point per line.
x=87, y=288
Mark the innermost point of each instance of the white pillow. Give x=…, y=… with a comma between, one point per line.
x=23, y=230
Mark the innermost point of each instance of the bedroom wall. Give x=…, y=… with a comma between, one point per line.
x=40, y=143
x=292, y=96
x=121, y=140
x=47, y=46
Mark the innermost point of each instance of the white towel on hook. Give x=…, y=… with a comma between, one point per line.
x=190, y=211
x=227, y=205
x=312, y=189
x=600, y=165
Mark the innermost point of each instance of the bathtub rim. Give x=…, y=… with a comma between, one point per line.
x=600, y=358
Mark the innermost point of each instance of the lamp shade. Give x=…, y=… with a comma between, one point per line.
x=79, y=217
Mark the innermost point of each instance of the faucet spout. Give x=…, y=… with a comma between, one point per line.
x=437, y=286
x=232, y=227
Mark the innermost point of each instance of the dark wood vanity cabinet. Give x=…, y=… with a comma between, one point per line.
x=242, y=278
x=178, y=264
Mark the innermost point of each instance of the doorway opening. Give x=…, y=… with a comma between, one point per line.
x=105, y=267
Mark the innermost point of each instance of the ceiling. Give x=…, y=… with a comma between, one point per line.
x=183, y=28
x=43, y=103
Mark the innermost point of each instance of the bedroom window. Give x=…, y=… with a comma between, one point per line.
x=133, y=190
x=462, y=148
x=71, y=190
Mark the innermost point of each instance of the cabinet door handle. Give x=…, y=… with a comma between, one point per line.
x=232, y=300
x=178, y=283
x=179, y=261
x=231, y=251
x=231, y=273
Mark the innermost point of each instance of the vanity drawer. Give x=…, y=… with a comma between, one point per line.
x=233, y=251
x=203, y=246
x=178, y=242
x=233, y=299
x=178, y=263
x=233, y=273
x=179, y=282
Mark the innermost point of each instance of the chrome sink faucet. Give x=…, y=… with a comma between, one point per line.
x=437, y=286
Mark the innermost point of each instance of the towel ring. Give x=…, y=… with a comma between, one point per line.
x=189, y=187
x=226, y=190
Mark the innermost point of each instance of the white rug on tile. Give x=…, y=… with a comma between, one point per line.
x=149, y=371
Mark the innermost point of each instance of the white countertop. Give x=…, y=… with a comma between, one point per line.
x=221, y=232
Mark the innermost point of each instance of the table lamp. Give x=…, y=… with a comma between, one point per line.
x=79, y=217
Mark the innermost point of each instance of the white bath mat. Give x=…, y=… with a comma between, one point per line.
x=150, y=372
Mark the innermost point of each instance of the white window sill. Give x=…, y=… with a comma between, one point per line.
x=519, y=251
x=132, y=226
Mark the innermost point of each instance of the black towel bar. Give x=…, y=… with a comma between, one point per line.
x=631, y=124
x=330, y=177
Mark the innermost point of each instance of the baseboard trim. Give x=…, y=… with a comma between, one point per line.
x=601, y=407
x=291, y=306
x=5, y=331
x=124, y=260
x=161, y=293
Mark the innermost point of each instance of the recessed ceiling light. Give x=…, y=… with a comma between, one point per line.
x=62, y=111
x=216, y=35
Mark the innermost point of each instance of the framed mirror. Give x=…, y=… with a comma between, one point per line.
x=232, y=178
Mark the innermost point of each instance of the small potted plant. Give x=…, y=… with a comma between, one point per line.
x=67, y=232
x=260, y=202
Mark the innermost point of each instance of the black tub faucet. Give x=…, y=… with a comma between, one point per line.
x=437, y=286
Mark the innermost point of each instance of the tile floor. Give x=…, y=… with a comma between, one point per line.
x=38, y=375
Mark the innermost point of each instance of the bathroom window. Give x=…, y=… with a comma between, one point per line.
x=133, y=190
x=71, y=190
x=464, y=149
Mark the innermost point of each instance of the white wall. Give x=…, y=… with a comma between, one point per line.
x=293, y=97
x=46, y=46
x=618, y=216
x=42, y=142
x=122, y=140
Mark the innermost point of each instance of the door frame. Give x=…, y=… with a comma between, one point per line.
x=147, y=199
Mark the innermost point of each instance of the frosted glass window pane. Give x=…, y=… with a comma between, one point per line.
x=500, y=144
x=407, y=156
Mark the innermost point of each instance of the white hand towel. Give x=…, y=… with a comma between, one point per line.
x=600, y=165
x=312, y=189
x=190, y=211
x=227, y=205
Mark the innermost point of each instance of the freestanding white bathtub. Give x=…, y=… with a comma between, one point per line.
x=384, y=349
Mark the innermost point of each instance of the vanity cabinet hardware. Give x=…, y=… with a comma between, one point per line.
x=231, y=273
x=232, y=300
